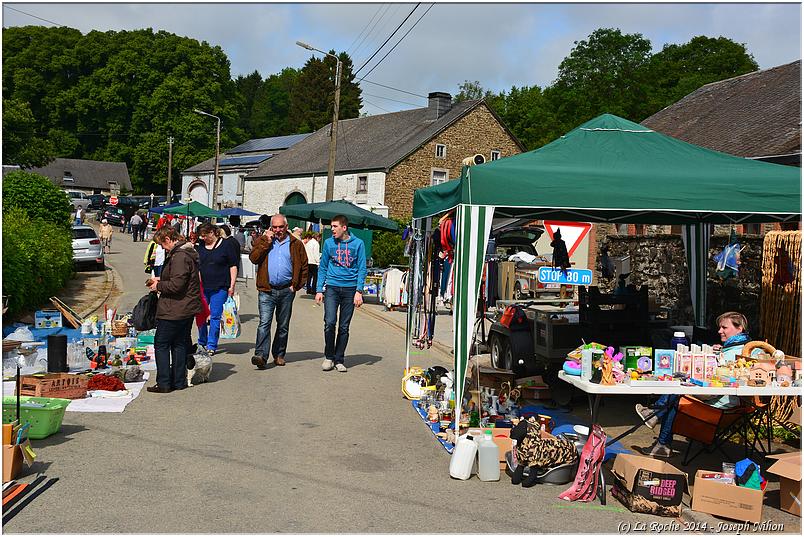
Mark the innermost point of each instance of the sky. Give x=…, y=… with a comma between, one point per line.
x=499, y=45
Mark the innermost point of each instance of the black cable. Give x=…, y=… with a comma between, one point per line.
x=389, y=99
x=389, y=38
x=393, y=88
x=371, y=31
x=376, y=106
x=30, y=15
x=342, y=132
x=397, y=43
x=364, y=29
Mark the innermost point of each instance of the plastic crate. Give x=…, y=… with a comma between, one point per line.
x=45, y=420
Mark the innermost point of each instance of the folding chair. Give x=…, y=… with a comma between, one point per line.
x=710, y=426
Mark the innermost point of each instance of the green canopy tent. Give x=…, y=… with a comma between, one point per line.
x=361, y=221
x=607, y=170
x=193, y=208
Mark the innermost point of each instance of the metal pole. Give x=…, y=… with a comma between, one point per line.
x=333, y=135
x=215, y=179
x=170, y=170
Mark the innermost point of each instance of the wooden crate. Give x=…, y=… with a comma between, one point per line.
x=61, y=385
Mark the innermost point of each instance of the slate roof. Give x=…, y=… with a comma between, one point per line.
x=268, y=144
x=365, y=143
x=228, y=162
x=753, y=115
x=86, y=173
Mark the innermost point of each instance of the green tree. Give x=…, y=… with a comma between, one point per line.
x=468, y=91
x=22, y=145
x=678, y=70
x=37, y=196
x=388, y=248
x=272, y=105
x=313, y=95
x=603, y=73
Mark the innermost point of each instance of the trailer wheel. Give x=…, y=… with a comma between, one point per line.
x=518, y=294
x=501, y=355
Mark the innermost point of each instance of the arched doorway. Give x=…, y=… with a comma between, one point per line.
x=198, y=192
x=296, y=198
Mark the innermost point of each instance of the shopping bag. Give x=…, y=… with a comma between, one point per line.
x=230, y=321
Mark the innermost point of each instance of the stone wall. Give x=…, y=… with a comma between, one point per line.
x=477, y=132
x=659, y=261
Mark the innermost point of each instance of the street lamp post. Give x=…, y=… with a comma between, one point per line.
x=217, y=151
x=333, y=132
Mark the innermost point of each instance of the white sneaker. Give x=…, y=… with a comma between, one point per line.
x=341, y=368
x=327, y=364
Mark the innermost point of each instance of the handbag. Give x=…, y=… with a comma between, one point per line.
x=230, y=321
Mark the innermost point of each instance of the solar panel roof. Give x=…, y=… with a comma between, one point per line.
x=269, y=144
x=244, y=160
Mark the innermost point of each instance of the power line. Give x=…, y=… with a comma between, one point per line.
x=376, y=106
x=397, y=43
x=389, y=38
x=342, y=134
x=389, y=99
x=393, y=88
x=364, y=29
x=371, y=31
x=30, y=15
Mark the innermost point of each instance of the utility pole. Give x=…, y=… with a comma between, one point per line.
x=333, y=134
x=215, y=181
x=170, y=170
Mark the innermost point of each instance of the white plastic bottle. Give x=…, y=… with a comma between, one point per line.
x=488, y=459
x=463, y=457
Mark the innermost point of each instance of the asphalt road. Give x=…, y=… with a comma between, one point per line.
x=290, y=449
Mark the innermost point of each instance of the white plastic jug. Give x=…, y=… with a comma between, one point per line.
x=488, y=459
x=463, y=457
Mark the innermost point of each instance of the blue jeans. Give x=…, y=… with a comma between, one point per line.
x=337, y=298
x=666, y=409
x=171, y=340
x=281, y=302
x=208, y=336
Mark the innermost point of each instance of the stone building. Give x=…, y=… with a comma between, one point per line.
x=233, y=167
x=382, y=159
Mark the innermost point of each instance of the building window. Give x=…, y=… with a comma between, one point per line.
x=441, y=151
x=67, y=178
x=362, y=184
x=439, y=176
x=752, y=229
x=495, y=155
x=241, y=183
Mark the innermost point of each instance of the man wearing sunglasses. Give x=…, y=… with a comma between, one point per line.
x=281, y=271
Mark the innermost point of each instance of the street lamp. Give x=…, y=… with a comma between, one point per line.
x=217, y=150
x=333, y=133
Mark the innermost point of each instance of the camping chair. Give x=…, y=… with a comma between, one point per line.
x=710, y=426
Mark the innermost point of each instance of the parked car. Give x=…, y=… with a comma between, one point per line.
x=97, y=201
x=113, y=214
x=78, y=199
x=87, y=247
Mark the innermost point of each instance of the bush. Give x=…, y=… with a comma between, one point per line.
x=38, y=197
x=388, y=248
x=37, y=259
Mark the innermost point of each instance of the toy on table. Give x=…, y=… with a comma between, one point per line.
x=612, y=368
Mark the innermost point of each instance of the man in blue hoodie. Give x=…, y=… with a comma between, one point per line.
x=342, y=270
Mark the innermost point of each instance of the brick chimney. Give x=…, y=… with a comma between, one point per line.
x=438, y=104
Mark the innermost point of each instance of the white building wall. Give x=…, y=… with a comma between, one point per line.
x=228, y=194
x=265, y=197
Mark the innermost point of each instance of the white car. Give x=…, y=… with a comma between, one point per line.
x=87, y=247
x=78, y=199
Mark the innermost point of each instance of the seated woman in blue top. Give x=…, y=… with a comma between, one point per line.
x=218, y=267
x=733, y=331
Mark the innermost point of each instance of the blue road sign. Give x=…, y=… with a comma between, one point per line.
x=573, y=277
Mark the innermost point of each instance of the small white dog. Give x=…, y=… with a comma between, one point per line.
x=201, y=370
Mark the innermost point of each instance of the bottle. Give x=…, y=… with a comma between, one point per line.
x=586, y=364
x=488, y=459
x=679, y=338
x=463, y=457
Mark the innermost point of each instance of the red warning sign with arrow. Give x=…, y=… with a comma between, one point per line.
x=572, y=233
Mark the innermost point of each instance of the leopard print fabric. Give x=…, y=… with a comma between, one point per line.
x=539, y=452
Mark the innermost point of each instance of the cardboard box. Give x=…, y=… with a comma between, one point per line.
x=12, y=462
x=648, y=485
x=788, y=468
x=729, y=501
x=490, y=377
x=47, y=319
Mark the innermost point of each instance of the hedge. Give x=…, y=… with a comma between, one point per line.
x=37, y=259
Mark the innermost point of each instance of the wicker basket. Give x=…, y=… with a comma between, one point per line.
x=58, y=385
x=119, y=328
